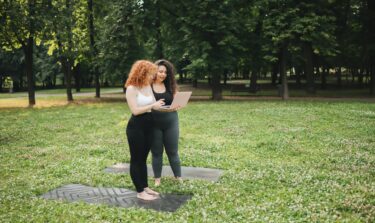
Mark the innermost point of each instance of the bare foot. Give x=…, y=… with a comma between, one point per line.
x=157, y=182
x=152, y=192
x=146, y=196
x=179, y=179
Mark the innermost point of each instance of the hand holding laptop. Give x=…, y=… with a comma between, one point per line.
x=169, y=109
x=180, y=100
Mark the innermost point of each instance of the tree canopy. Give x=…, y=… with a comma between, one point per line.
x=305, y=41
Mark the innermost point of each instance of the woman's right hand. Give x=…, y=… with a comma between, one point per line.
x=158, y=104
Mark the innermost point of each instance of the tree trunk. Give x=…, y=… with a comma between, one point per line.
x=324, y=78
x=246, y=73
x=97, y=84
x=65, y=61
x=360, y=78
x=370, y=39
x=77, y=77
x=54, y=80
x=275, y=71
x=284, y=80
x=367, y=75
x=216, y=86
x=347, y=76
x=195, y=82
x=225, y=77
x=1, y=83
x=182, y=78
x=309, y=69
x=338, y=75
x=253, y=81
x=298, y=76
x=317, y=73
x=354, y=74
x=21, y=73
x=28, y=49
x=68, y=77
x=372, y=75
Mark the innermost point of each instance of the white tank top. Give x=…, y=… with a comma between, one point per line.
x=143, y=100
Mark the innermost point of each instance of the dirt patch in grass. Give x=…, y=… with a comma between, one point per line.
x=45, y=103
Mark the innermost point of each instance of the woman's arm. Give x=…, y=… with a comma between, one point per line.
x=168, y=109
x=131, y=98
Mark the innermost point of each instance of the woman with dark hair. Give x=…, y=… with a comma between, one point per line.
x=166, y=129
x=139, y=130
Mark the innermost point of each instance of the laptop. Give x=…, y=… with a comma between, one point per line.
x=180, y=99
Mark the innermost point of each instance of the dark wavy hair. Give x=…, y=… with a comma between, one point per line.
x=170, y=81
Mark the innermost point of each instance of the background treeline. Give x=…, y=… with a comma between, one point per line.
x=84, y=43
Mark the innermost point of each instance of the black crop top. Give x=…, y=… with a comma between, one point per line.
x=168, y=98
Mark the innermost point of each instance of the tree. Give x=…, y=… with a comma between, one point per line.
x=369, y=23
x=209, y=29
x=12, y=65
x=93, y=49
x=120, y=42
x=252, y=39
x=165, y=39
x=301, y=24
x=68, y=36
x=46, y=67
x=153, y=23
x=277, y=29
x=21, y=24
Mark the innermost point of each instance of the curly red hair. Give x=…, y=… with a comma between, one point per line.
x=139, y=72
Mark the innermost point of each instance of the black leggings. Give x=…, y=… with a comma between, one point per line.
x=166, y=134
x=140, y=135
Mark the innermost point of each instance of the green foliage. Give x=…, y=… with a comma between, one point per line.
x=67, y=27
x=215, y=36
x=209, y=29
x=11, y=63
x=15, y=22
x=120, y=40
x=47, y=68
x=296, y=161
x=7, y=83
x=293, y=22
x=252, y=53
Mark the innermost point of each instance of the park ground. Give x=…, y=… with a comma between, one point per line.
x=57, y=97
x=302, y=160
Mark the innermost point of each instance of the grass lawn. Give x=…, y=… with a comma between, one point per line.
x=294, y=161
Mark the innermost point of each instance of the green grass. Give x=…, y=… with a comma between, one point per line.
x=290, y=161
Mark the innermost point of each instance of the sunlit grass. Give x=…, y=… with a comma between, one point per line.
x=293, y=161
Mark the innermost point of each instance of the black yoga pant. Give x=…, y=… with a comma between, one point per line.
x=166, y=134
x=140, y=135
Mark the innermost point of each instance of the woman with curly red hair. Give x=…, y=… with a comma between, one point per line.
x=141, y=101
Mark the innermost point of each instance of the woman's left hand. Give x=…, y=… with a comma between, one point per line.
x=169, y=109
x=176, y=108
